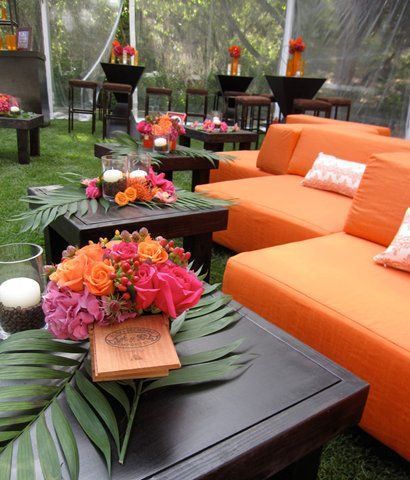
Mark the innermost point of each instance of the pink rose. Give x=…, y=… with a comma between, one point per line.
x=92, y=192
x=68, y=314
x=144, y=128
x=178, y=289
x=223, y=127
x=144, y=286
x=126, y=250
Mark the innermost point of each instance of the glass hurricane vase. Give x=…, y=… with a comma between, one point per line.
x=114, y=175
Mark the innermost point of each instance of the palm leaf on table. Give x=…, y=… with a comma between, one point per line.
x=37, y=370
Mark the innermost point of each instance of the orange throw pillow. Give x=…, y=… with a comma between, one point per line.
x=335, y=175
x=382, y=198
x=397, y=255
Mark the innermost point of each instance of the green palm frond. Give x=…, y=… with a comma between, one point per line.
x=37, y=371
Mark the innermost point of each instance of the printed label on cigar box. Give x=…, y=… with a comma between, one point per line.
x=135, y=337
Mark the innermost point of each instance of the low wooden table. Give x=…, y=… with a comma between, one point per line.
x=271, y=422
x=200, y=167
x=26, y=128
x=215, y=140
x=195, y=226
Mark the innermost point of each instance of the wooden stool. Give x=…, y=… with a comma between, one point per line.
x=303, y=105
x=196, y=92
x=229, y=97
x=272, y=99
x=109, y=112
x=81, y=84
x=252, y=102
x=157, y=92
x=338, y=102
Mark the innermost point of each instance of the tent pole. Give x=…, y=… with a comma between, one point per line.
x=45, y=23
x=133, y=42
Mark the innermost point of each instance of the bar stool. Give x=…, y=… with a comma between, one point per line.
x=86, y=85
x=109, y=112
x=302, y=105
x=248, y=104
x=157, y=92
x=337, y=102
x=196, y=92
x=229, y=97
x=272, y=99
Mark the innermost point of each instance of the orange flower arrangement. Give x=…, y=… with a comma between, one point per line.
x=163, y=126
x=121, y=199
x=131, y=194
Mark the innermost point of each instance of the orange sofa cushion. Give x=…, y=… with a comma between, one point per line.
x=383, y=197
x=330, y=294
x=310, y=119
x=276, y=209
x=243, y=166
x=277, y=148
x=342, y=143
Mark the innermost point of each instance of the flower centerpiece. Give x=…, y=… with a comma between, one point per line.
x=8, y=105
x=209, y=126
x=114, y=281
x=126, y=53
x=235, y=53
x=295, y=63
x=116, y=51
x=160, y=132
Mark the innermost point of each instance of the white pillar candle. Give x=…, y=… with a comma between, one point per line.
x=160, y=142
x=111, y=176
x=216, y=121
x=20, y=292
x=138, y=173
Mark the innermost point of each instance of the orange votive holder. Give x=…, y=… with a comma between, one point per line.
x=11, y=42
x=3, y=13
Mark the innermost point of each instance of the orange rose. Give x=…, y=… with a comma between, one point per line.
x=131, y=194
x=97, y=279
x=152, y=250
x=121, y=199
x=70, y=273
x=93, y=251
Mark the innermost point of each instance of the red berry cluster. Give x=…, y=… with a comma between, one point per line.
x=123, y=277
x=176, y=254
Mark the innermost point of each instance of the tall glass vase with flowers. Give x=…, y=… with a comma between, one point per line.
x=235, y=54
x=296, y=65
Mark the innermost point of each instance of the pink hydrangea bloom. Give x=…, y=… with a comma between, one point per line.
x=223, y=127
x=144, y=127
x=68, y=314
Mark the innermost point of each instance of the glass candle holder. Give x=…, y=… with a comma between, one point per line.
x=114, y=176
x=139, y=164
x=216, y=118
x=11, y=42
x=161, y=143
x=21, y=287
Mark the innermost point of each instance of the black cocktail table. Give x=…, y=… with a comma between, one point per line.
x=215, y=140
x=28, y=134
x=268, y=423
x=195, y=226
x=174, y=162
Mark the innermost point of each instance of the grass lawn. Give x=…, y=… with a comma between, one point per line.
x=351, y=456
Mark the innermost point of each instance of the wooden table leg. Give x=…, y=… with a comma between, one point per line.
x=35, y=142
x=214, y=147
x=200, y=247
x=23, y=146
x=55, y=244
x=305, y=469
x=185, y=141
x=245, y=146
x=199, y=177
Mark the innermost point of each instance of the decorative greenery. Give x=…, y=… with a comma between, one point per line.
x=64, y=370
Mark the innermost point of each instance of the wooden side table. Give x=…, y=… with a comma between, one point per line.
x=28, y=135
x=216, y=140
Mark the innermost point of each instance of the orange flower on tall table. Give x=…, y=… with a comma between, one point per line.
x=235, y=51
x=98, y=279
x=70, y=273
x=121, y=199
x=152, y=250
x=296, y=45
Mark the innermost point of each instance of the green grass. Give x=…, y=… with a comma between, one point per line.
x=351, y=456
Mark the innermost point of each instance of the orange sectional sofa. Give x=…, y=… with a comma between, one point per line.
x=308, y=263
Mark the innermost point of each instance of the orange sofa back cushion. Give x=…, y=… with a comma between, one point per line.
x=342, y=143
x=311, y=119
x=383, y=197
x=277, y=148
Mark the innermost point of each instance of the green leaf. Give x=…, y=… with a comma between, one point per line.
x=41, y=344
x=28, y=373
x=104, y=203
x=89, y=423
x=8, y=435
x=177, y=324
x=83, y=208
x=210, y=355
x=11, y=421
x=193, y=333
x=17, y=406
x=93, y=205
x=197, y=374
x=118, y=393
x=206, y=319
x=35, y=359
x=28, y=334
x=211, y=288
x=5, y=463
x=66, y=439
x=218, y=303
x=47, y=452
x=97, y=400
x=32, y=390
x=25, y=459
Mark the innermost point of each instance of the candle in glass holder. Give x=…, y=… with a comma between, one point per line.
x=216, y=121
x=112, y=176
x=138, y=173
x=20, y=292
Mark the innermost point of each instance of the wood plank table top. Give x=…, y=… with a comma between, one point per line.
x=21, y=123
x=215, y=140
x=269, y=422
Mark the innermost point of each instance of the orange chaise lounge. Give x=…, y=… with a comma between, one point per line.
x=329, y=293
x=275, y=208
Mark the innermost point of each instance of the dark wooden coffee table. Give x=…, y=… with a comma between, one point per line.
x=174, y=162
x=215, y=140
x=195, y=226
x=28, y=135
x=271, y=422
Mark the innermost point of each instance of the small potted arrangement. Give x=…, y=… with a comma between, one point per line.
x=295, y=65
x=235, y=54
x=161, y=132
